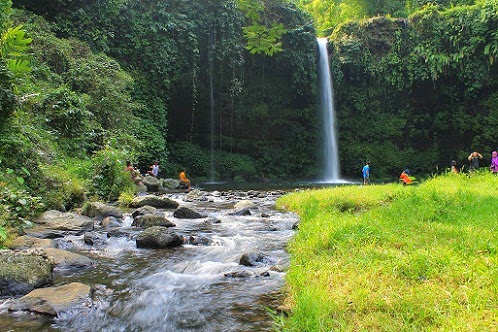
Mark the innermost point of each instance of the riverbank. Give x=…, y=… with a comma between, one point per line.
x=392, y=257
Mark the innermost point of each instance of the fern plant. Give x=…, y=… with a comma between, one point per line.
x=13, y=47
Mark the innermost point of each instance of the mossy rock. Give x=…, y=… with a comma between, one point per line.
x=22, y=272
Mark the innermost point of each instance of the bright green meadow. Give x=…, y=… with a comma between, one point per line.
x=396, y=258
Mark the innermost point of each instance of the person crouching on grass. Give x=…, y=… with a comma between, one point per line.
x=405, y=177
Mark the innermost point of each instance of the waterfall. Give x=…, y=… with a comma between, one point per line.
x=211, y=97
x=326, y=93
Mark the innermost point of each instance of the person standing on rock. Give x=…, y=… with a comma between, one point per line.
x=183, y=179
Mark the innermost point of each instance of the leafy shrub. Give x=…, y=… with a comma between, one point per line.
x=153, y=145
x=16, y=206
x=109, y=178
x=126, y=197
x=65, y=113
x=192, y=157
x=62, y=190
x=236, y=166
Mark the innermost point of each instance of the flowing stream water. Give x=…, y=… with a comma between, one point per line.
x=326, y=94
x=181, y=289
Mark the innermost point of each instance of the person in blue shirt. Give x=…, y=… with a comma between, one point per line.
x=366, y=173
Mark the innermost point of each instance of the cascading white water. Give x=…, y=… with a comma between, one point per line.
x=326, y=93
x=211, y=98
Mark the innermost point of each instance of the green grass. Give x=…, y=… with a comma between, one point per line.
x=396, y=258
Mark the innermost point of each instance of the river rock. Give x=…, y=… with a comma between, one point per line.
x=186, y=213
x=158, y=237
x=238, y=274
x=25, y=242
x=198, y=240
x=255, y=259
x=53, y=224
x=152, y=183
x=95, y=239
x=64, y=259
x=170, y=183
x=53, y=300
x=243, y=212
x=120, y=232
x=100, y=211
x=151, y=220
x=145, y=210
x=268, y=228
x=161, y=202
x=110, y=221
x=21, y=272
x=141, y=188
x=195, y=196
x=244, y=204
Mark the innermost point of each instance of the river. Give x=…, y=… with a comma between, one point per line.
x=189, y=288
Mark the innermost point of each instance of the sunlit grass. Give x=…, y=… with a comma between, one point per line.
x=396, y=258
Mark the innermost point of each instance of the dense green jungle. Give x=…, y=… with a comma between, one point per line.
x=228, y=89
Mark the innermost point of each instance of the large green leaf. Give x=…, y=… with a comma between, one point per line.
x=19, y=67
x=14, y=43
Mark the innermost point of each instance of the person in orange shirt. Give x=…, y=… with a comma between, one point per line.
x=184, y=180
x=405, y=177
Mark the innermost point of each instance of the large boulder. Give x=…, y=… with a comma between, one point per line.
x=170, y=183
x=22, y=272
x=152, y=183
x=25, y=242
x=151, y=220
x=53, y=224
x=161, y=202
x=100, y=211
x=186, y=213
x=53, y=300
x=64, y=259
x=141, y=188
x=158, y=237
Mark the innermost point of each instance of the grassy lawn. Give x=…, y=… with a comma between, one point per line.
x=396, y=258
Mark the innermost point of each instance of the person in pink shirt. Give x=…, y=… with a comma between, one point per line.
x=494, y=162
